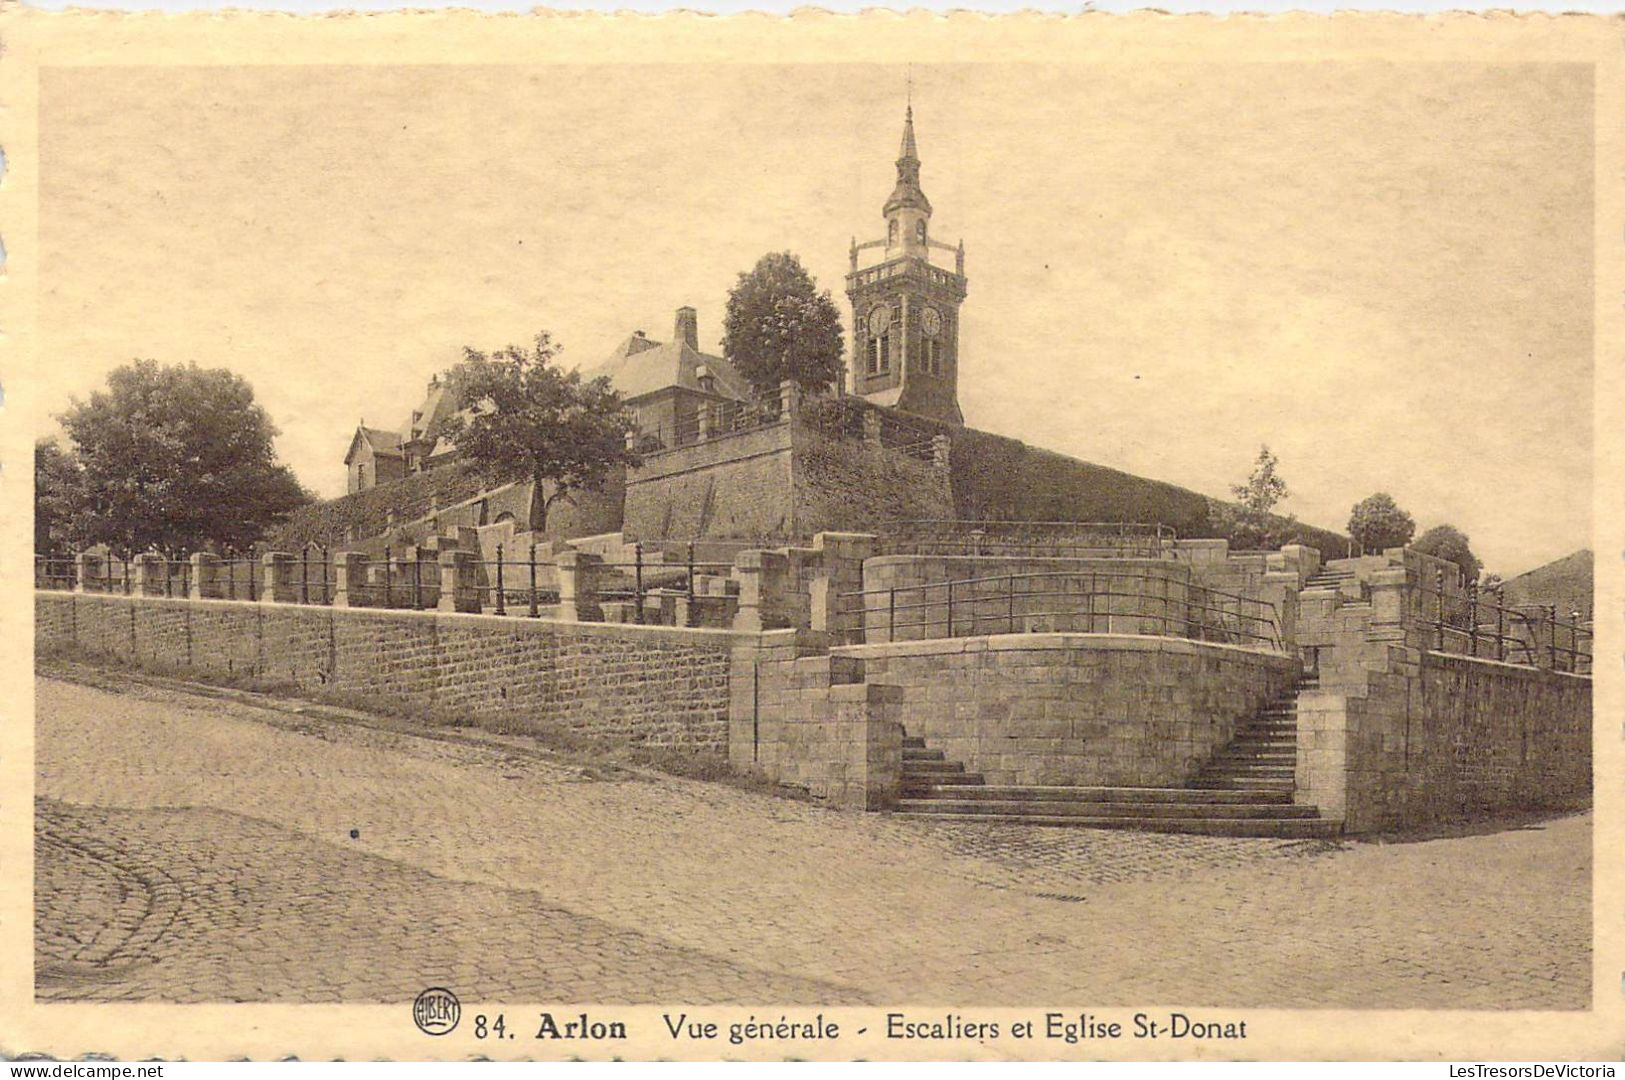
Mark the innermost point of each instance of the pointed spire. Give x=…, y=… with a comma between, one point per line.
x=907, y=192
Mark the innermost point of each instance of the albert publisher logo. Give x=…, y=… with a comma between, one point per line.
x=436, y=1011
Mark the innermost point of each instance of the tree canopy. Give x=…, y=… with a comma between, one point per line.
x=58, y=498
x=1450, y=543
x=524, y=418
x=779, y=326
x=174, y=459
x=1377, y=523
x=1251, y=522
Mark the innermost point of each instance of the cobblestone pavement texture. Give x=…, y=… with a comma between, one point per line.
x=197, y=849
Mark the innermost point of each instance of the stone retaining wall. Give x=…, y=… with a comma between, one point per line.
x=808, y=719
x=656, y=686
x=1093, y=709
x=1436, y=738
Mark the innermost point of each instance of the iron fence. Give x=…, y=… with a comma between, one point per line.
x=724, y=418
x=1479, y=623
x=1035, y=539
x=410, y=579
x=646, y=583
x=1058, y=600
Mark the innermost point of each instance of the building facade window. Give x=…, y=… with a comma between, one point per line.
x=879, y=354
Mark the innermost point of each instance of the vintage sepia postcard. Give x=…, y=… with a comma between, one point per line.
x=821, y=537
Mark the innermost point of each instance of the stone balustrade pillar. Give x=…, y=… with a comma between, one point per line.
x=87, y=568
x=277, y=574
x=789, y=399
x=205, y=577
x=940, y=447
x=871, y=427
x=578, y=586
x=762, y=577
x=151, y=572
x=748, y=572
x=459, y=583
x=350, y=579
x=1280, y=588
x=1390, y=600
x=841, y=557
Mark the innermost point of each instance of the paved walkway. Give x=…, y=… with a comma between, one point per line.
x=193, y=849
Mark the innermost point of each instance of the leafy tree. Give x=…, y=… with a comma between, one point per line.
x=58, y=498
x=523, y=418
x=779, y=326
x=1251, y=522
x=175, y=459
x=1377, y=523
x=1450, y=543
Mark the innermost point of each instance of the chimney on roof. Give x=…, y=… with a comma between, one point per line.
x=688, y=328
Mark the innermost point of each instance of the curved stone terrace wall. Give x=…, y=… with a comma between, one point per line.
x=1090, y=709
x=921, y=597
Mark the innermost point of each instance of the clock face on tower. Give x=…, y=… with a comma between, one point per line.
x=931, y=322
x=879, y=319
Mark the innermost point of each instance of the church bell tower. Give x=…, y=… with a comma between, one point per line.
x=905, y=307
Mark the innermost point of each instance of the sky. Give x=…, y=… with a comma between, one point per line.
x=1384, y=271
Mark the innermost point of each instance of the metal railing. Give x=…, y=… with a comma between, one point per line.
x=1479, y=623
x=733, y=417
x=526, y=586
x=641, y=579
x=1037, y=539
x=1058, y=600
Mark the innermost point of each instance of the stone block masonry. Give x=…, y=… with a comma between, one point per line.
x=1433, y=738
x=1090, y=709
x=807, y=719
x=654, y=686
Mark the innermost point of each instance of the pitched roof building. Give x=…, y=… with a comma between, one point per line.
x=666, y=383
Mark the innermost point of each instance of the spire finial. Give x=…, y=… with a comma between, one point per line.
x=908, y=152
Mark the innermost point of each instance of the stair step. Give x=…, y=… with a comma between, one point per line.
x=1246, y=783
x=942, y=780
x=1070, y=793
x=1225, y=776
x=918, y=767
x=1023, y=808
x=1274, y=753
x=916, y=753
x=1275, y=828
x=913, y=742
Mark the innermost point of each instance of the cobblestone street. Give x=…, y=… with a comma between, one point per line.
x=193, y=848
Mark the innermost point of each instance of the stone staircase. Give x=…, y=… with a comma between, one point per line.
x=1263, y=754
x=1336, y=578
x=1246, y=790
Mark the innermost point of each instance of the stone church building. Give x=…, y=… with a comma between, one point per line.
x=888, y=444
x=904, y=349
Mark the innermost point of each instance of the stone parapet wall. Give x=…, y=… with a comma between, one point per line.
x=1090, y=709
x=805, y=718
x=736, y=485
x=656, y=686
x=1437, y=738
x=852, y=485
x=1152, y=599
